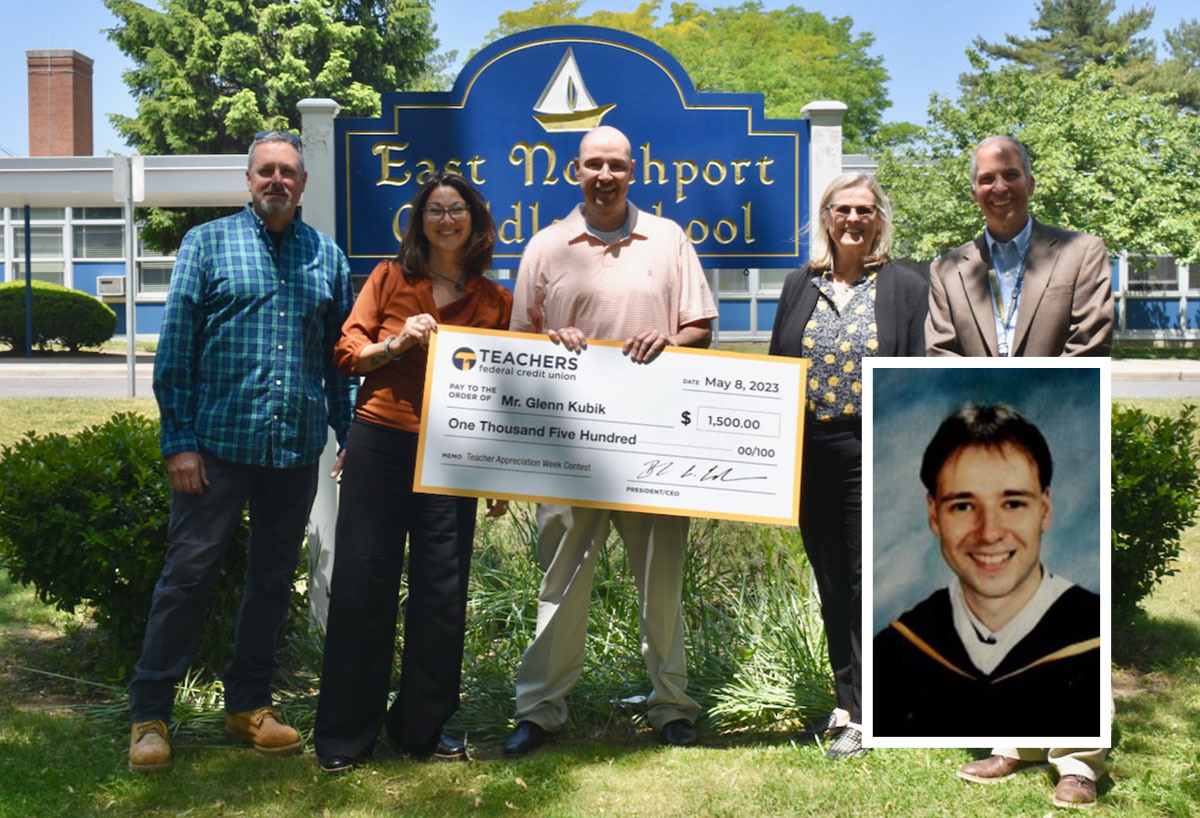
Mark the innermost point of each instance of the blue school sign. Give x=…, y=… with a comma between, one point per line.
x=735, y=181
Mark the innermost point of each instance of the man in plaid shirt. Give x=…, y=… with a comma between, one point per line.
x=246, y=386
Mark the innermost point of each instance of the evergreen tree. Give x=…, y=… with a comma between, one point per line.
x=1076, y=32
x=1179, y=77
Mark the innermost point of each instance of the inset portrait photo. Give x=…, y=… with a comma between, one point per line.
x=986, y=553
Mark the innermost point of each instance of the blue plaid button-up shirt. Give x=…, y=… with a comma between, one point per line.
x=244, y=366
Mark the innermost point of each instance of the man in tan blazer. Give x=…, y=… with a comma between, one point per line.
x=1025, y=289
x=1022, y=288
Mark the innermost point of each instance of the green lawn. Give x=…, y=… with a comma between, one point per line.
x=19, y=416
x=62, y=749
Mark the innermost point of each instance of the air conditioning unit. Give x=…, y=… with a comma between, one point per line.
x=110, y=285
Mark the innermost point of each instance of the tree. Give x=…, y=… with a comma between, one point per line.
x=208, y=74
x=1077, y=32
x=1179, y=77
x=1106, y=160
x=790, y=56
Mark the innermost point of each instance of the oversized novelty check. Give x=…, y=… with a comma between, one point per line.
x=696, y=433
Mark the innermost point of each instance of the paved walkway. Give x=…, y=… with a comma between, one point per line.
x=1155, y=379
x=107, y=376
x=86, y=376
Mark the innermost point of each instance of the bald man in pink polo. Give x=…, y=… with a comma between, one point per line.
x=608, y=271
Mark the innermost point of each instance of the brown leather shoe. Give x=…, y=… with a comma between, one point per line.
x=1075, y=792
x=993, y=769
x=149, y=749
x=263, y=729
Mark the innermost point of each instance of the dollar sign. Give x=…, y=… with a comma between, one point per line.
x=685, y=418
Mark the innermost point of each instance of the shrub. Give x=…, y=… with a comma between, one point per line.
x=83, y=519
x=1155, y=481
x=60, y=315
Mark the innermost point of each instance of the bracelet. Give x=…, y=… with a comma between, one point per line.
x=387, y=349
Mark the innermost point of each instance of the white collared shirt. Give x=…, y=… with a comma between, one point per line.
x=987, y=648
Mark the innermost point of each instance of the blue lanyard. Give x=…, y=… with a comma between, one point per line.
x=1006, y=320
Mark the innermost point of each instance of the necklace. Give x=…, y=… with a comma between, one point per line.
x=458, y=285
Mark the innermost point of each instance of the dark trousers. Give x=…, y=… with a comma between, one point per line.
x=200, y=531
x=378, y=510
x=831, y=525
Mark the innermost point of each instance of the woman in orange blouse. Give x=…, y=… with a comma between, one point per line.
x=436, y=278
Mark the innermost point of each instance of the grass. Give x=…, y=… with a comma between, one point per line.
x=19, y=416
x=55, y=761
x=121, y=346
x=1190, y=353
x=113, y=346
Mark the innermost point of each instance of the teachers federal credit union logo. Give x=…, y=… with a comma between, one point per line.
x=465, y=359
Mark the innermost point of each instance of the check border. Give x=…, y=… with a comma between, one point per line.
x=429, y=409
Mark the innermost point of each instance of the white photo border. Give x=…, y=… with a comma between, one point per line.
x=1103, y=409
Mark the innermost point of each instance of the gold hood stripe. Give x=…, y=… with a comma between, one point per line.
x=1061, y=653
x=925, y=648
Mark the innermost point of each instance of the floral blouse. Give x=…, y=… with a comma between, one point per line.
x=840, y=332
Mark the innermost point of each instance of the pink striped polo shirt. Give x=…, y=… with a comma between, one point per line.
x=650, y=279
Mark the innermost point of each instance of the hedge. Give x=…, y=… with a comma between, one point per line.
x=60, y=316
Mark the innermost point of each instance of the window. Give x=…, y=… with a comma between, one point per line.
x=99, y=213
x=732, y=281
x=40, y=214
x=154, y=275
x=153, y=269
x=1152, y=274
x=772, y=280
x=47, y=253
x=1193, y=274
x=99, y=241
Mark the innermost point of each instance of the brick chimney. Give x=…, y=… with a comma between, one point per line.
x=60, y=102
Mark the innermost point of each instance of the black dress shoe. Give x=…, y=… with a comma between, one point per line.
x=337, y=764
x=449, y=748
x=679, y=733
x=527, y=737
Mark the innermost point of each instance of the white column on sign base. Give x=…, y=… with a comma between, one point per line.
x=824, y=151
x=316, y=131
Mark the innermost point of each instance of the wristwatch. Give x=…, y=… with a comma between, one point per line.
x=387, y=349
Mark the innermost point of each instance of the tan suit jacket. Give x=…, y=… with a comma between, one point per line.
x=1066, y=304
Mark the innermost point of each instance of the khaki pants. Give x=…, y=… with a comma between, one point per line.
x=1088, y=763
x=569, y=539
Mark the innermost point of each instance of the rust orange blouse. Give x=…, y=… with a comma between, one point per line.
x=391, y=395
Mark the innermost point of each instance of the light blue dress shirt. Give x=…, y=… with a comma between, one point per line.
x=1005, y=278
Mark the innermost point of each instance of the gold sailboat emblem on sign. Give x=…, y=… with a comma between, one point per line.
x=565, y=104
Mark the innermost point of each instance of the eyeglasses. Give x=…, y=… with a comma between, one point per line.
x=277, y=136
x=457, y=212
x=862, y=211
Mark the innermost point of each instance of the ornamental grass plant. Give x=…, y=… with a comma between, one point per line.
x=755, y=645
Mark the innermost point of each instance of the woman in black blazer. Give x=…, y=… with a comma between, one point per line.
x=850, y=301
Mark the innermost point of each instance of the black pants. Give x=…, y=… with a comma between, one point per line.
x=831, y=525
x=201, y=530
x=378, y=510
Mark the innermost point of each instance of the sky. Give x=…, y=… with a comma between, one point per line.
x=922, y=44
